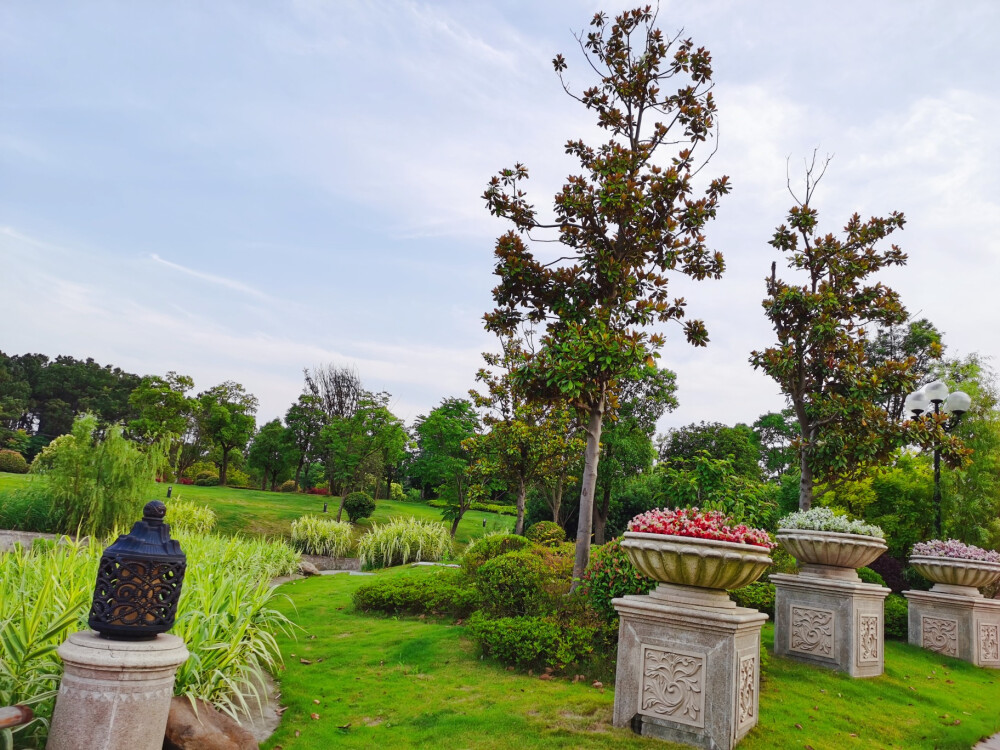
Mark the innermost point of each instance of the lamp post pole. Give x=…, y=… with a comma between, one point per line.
x=956, y=404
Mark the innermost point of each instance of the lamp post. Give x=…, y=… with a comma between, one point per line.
x=935, y=395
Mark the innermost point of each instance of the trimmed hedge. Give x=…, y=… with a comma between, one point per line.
x=441, y=591
x=867, y=575
x=13, y=462
x=758, y=595
x=511, y=585
x=359, y=505
x=896, y=617
x=488, y=547
x=547, y=533
x=532, y=641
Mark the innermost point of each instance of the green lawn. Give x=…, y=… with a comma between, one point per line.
x=412, y=683
x=255, y=512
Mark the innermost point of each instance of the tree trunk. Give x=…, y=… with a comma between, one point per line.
x=522, y=492
x=601, y=516
x=263, y=482
x=454, y=525
x=591, y=457
x=388, y=482
x=805, y=483
x=225, y=466
x=340, y=508
x=298, y=470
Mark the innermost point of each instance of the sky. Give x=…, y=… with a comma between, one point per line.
x=240, y=189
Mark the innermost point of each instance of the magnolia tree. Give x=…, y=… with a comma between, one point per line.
x=629, y=218
x=820, y=360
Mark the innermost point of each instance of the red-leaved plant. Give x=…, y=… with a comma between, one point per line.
x=711, y=524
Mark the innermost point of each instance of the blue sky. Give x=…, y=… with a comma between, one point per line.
x=237, y=190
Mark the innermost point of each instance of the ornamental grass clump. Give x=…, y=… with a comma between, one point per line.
x=187, y=517
x=824, y=519
x=401, y=540
x=699, y=524
x=321, y=536
x=954, y=549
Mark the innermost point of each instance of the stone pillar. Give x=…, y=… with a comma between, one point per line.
x=688, y=667
x=115, y=695
x=830, y=620
x=964, y=626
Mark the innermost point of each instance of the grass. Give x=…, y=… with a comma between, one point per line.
x=271, y=513
x=412, y=683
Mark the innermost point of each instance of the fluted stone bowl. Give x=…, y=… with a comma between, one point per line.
x=687, y=561
x=950, y=571
x=831, y=548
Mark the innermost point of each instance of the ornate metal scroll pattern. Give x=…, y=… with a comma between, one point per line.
x=748, y=689
x=128, y=593
x=673, y=686
x=940, y=635
x=812, y=631
x=989, y=642
x=868, y=638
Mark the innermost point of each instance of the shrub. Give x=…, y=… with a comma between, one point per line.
x=321, y=536
x=413, y=495
x=288, y=486
x=532, y=641
x=97, y=485
x=13, y=462
x=511, y=585
x=438, y=591
x=201, y=467
x=490, y=546
x=201, y=475
x=396, y=492
x=207, y=482
x=609, y=575
x=867, y=575
x=401, y=540
x=359, y=505
x=29, y=508
x=237, y=478
x=896, y=617
x=824, y=519
x=318, y=491
x=185, y=480
x=547, y=533
x=186, y=517
x=758, y=595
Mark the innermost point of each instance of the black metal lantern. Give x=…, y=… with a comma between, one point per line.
x=139, y=580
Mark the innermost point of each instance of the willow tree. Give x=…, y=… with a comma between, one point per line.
x=631, y=216
x=820, y=360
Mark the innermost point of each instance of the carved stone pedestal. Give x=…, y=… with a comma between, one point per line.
x=688, y=666
x=963, y=626
x=115, y=695
x=824, y=617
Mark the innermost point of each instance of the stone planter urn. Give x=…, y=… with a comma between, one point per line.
x=688, y=657
x=825, y=615
x=953, y=575
x=954, y=618
x=831, y=554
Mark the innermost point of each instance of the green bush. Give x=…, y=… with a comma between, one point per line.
x=201, y=475
x=207, y=482
x=896, y=617
x=547, y=533
x=413, y=495
x=184, y=516
x=609, y=575
x=201, y=467
x=401, y=540
x=532, y=641
x=288, y=486
x=396, y=492
x=511, y=585
x=359, y=505
x=867, y=575
x=237, y=478
x=438, y=591
x=490, y=546
x=321, y=536
x=758, y=595
x=13, y=462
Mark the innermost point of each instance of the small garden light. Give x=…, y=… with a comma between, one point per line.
x=139, y=580
x=935, y=395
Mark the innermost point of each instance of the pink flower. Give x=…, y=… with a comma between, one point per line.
x=699, y=524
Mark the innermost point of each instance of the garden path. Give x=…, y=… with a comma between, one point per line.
x=991, y=743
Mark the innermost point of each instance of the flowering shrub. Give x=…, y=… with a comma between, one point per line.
x=318, y=491
x=700, y=525
x=824, y=519
x=955, y=549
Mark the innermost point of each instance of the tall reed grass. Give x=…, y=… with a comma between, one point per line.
x=225, y=617
x=322, y=536
x=187, y=517
x=401, y=540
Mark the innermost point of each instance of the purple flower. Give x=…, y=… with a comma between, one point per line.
x=954, y=549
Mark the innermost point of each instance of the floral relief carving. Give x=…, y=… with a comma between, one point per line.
x=989, y=642
x=747, y=690
x=940, y=635
x=812, y=631
x=868, y=638
x=673, y=686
